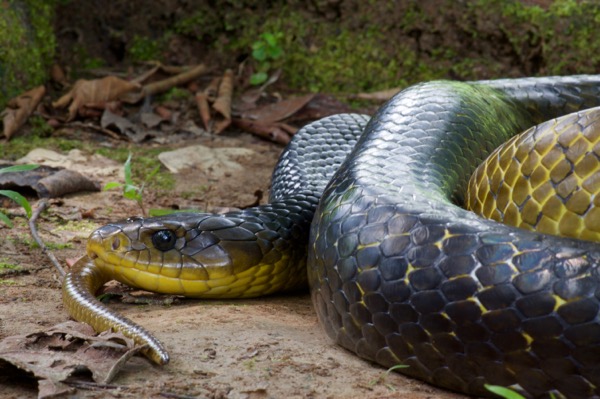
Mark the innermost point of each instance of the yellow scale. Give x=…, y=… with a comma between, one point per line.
x=546, y=179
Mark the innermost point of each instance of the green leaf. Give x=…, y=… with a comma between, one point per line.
x=258, y=78
x=503, y=392
x=397, y=367
x=110, y=185
x=153, y=173
x=131, y=192
x=127, y=171
x=5, y=219
x=270, y=38
x=18, y=168
x=275, y=52
x=19, y=199
x=259, y=53
x=162, y=212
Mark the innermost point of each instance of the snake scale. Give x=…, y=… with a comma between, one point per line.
x=399, y=272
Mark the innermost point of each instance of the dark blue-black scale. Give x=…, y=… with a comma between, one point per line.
x=401, y=274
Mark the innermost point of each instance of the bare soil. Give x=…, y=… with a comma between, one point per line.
x=271, y=347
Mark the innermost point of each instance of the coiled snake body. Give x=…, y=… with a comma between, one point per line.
x=399, y=273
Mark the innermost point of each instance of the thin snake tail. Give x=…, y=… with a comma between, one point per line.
x=78, y=289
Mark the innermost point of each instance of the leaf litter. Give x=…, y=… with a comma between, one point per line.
x=238, y=103
x=67, y=353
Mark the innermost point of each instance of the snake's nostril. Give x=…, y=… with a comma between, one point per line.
x=116, y=243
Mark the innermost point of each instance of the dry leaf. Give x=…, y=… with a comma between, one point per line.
x=48, y=182
x=203, y=108
x=277, y=111
x=382, y=95
x=222, y=104
x=165, y=113
x=98, y=91
x=57, y=74
x=62, y=352
x=19, y=108
x=248, y=99
x=320, y=106
x=272, y=132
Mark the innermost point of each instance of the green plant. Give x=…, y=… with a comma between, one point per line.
x=175, y=94
x=503, y=392
x=15, y=196
x=264, y=51
x=144, y=48
x=5, y=267
x=130, y=190
x=39, y=126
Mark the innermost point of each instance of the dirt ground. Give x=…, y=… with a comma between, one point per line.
x=270, y=347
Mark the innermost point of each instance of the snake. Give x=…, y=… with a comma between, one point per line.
x=369, y=211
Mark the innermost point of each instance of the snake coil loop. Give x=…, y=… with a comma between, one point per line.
x=399, y=272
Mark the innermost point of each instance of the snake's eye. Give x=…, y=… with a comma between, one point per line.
x=164, y=240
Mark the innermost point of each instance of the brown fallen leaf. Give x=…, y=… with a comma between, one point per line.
x=19, y=108
x=64, y=182
x=203, y=108
x=320, y=106
x=57, y=74
x=277, y=111
x=272, y=131
x=249, y=98
x=213, y=88
x=205, y=98
x=48, y=182
x=222, y=104
x=96, y=91
x=62, y=353
x=382, y=95
x=164, y=112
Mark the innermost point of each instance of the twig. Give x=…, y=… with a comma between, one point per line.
x=82, y=125
x=92, y=386
x=164, y=85
x=175, y=395
x=42, y=206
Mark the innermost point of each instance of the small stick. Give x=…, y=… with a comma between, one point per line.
x=42, y=206
x=92, y=386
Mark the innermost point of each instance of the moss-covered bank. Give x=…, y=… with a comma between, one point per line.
x=364, y=45
x=27, y=44
x=345, y=45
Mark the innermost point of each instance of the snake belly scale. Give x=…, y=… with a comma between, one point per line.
x=399, y=272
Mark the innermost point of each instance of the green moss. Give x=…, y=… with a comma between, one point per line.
x=82, y=226
x=27, y=45
x=176, y=94
x=204, y=22
x=39, y=126
x=145, y=48
x=562, y=35
x=6, y=267
x=20, y=145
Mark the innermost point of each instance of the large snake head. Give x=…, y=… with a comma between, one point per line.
x=198, y=255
